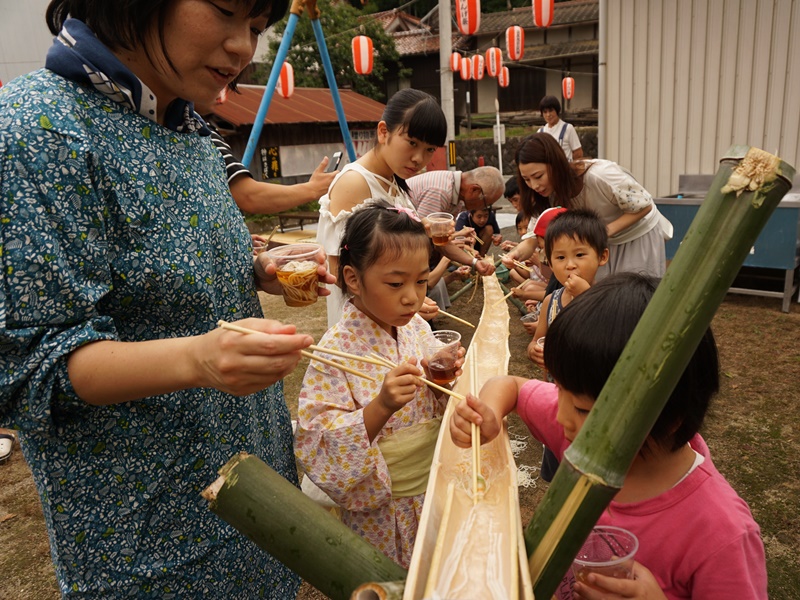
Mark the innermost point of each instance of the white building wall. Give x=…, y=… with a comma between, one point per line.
x=24, y=37
x=687, y=79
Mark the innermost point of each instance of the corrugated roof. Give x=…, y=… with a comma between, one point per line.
x=307, y=105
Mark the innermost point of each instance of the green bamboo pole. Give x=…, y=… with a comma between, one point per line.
x=747, y=188
x=514, y=300
x=464, y=288
x=282, y=520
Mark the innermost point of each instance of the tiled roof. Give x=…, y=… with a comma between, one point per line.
x=562, y=50
x=409, y=43
x=564, y=14
x=307, y=105
x=574, y=12
x=395, y=20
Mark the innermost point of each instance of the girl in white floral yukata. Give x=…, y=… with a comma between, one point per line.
x=369, y=444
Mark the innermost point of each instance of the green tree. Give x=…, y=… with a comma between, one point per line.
x=340, y=23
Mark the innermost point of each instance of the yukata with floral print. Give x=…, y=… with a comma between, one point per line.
x=332, y=444
x=369, y=444
x=120, y=249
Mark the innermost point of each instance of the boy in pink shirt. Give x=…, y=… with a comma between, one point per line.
x=697, y=538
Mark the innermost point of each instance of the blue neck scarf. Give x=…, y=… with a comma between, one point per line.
x=78, y=55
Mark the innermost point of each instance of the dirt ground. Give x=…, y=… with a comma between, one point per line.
x=752, y=431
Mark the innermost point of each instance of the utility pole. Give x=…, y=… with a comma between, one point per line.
x=445, y=74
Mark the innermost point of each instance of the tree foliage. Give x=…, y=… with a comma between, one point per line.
x=340, y=24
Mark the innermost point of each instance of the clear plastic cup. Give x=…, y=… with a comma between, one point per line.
x=608, y=551
x=440, y=349
x=441, y=224
x=297, y=272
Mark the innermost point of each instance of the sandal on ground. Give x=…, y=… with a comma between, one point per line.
x=6, y=446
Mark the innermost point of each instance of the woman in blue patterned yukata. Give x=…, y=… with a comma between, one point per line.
x=121, y=247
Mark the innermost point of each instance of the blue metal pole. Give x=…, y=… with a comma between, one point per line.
x=337, y=100
x=272, y=83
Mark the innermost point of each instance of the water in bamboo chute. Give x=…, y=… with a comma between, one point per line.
x=467, y=549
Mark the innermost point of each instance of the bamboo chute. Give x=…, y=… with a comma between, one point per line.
x=283, y=521
x=748, y=187
x=465, y=550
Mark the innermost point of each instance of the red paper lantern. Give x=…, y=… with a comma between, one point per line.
x=568, y=87
x=466, y=69
x=515, y=42
x=477, y=67
x=502, y=77
x=286, y=81
x=542, y=13
x=455, y=62
x=494, y=61
x=362, y=54
x=468, y=16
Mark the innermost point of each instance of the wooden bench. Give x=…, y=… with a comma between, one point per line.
x=284, y=219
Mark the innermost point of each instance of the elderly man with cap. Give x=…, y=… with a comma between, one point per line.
x=454, y=191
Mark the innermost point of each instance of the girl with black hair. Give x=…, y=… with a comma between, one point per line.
x=697, y=538
x=369, y=445
x=412, y=127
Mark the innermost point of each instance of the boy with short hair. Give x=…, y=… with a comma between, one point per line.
x=576, y=246
x=484, y=223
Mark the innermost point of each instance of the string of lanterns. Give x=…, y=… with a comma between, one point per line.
x=468, y=17
x=468, y=22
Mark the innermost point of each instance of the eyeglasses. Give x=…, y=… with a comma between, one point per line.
x=482, y=196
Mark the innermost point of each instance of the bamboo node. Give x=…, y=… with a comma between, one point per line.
x=210, y=493
x=755, y=169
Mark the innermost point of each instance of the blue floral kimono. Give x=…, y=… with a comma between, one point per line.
x=113, y=227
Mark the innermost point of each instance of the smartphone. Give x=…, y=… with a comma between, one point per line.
x=333, y=164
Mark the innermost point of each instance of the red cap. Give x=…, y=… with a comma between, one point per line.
x=543, y=222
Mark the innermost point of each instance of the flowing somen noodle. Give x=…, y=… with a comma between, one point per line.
x=299, y=282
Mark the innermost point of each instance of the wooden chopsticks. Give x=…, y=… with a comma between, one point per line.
x=435, y=386
x=455, y=318
x=331, y=363
x=477, y=478
x=509, y=294
x=519, y=264
x=333, y=352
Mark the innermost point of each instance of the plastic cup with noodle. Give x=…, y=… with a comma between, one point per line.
x=297, y=272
